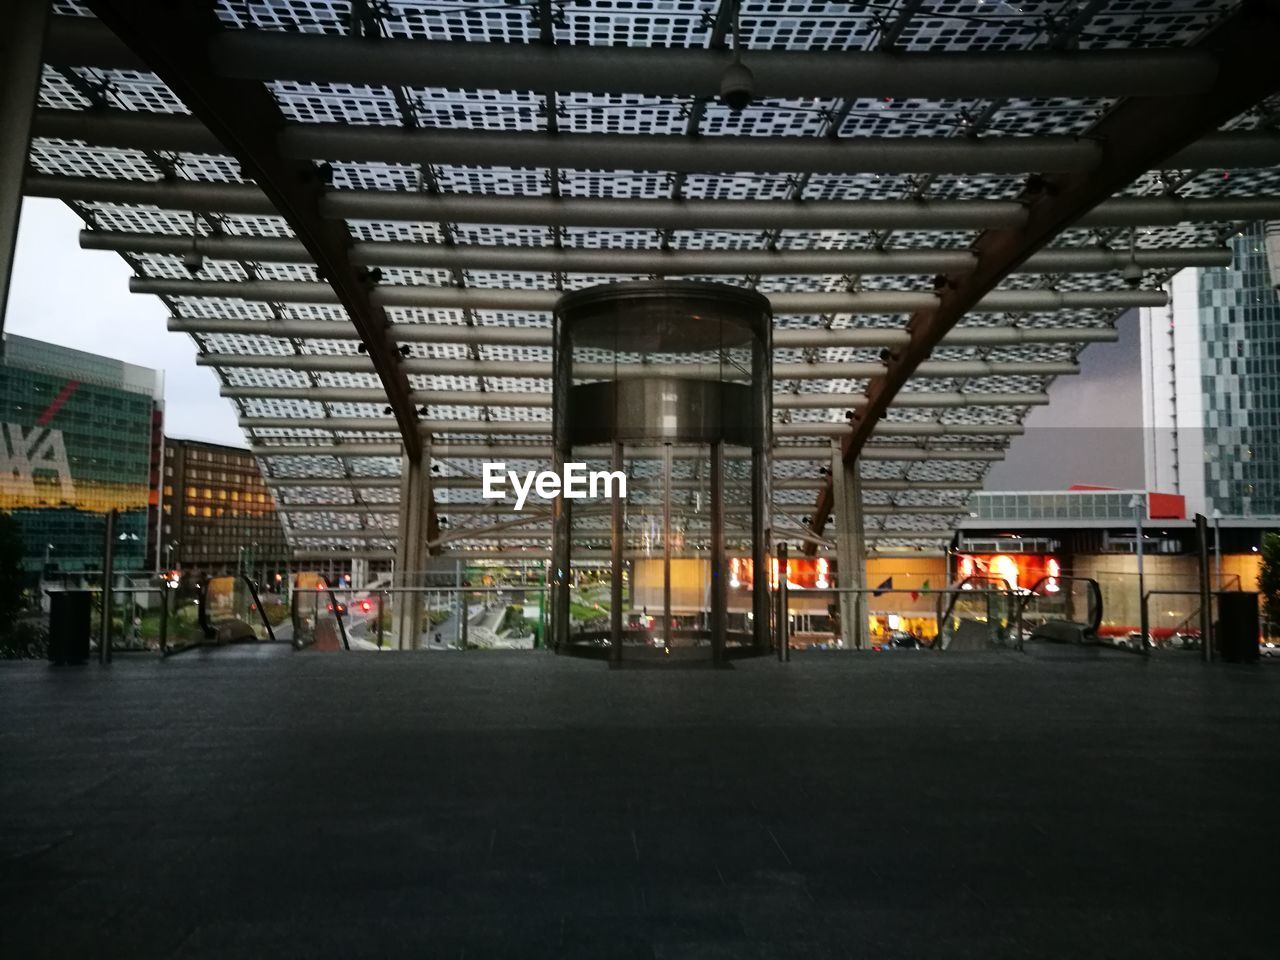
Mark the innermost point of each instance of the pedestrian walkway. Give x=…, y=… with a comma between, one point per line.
x=520, y=805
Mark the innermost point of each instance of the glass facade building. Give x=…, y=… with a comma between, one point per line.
x=1240, y=376
x=78, y=440
x=218, y=515
x=1211, y=386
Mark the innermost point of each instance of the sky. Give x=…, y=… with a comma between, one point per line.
x=1090, y=432
x=80, y=299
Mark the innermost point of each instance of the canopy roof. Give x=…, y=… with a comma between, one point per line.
x=945, y=201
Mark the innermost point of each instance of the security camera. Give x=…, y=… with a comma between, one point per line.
x=1131, y=274
x=737, y=86
x=193, y=260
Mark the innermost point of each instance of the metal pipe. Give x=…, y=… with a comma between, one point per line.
x=646, y=262
x=944, y=369
x=471, y=298
x=900, y=155
x=548, y=211
x=474, y=483
x=540, y=452
x=542, y=399
x=309, y=554
x=543, y=427
x=869, y=337
x=271, y=55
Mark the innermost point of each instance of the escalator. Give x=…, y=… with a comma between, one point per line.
x=229, y=613
x=977, y=613
x=317, y=617
x=1062, y=610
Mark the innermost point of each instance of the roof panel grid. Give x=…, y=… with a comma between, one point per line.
x=719, y=240
x=299, y=16
x=244, y=225
x=317, y=347
x=295, y=272
x=59, y=93
x=434, y=381
x=740, y=185
x=594, y=238
x=508, y=236
x=424, y=315
x=213, y=307
x=313, y=311
x=406, y=231
x=250, y=377
x=71, y=158
x=373, y=175
x=478, y=109
x=474, y=22
x=498, y=181
x=770, y=118
x=134, y=90
x=615, y=184
x=613, y=113
x=360, y=381
x=624, y=23
x=247, y=345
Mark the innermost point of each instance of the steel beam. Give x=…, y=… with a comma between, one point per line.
x=848, y=155
x=443, y=256
x=270, y=55
x=414, y=530
x=943, y=399
x=309, y=554
x=474, y=483
x=543, y=427
x=21, y=42
x=456, y=298
x=752, y=215
x=355, y=363
x=851, y=553
x=542, y=451
x=791, y=339
x=240, y=118
x=1138, y=135
x=542, y=399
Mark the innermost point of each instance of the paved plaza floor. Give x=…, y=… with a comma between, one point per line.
x=520, y=805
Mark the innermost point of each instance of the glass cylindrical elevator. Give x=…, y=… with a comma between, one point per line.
x=668, y=384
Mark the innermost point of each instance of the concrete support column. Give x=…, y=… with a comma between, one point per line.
x=851, y=553
x=21, y=47
x=359, y=573
x=411, y=550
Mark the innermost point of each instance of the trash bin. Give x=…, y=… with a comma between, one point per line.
x=1237, y=633
x=70, y=618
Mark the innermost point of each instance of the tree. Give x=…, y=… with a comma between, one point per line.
x=11, y=579
x=1269, y=576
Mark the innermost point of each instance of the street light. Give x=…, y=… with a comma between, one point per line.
x=1138, y=503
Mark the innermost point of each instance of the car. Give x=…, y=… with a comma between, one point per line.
x=1130, y=641
x=1269, y=647
x=900, y=638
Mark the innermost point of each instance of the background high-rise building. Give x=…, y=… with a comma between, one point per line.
x=218, y=515
x=80, y=436
x=1211, y=386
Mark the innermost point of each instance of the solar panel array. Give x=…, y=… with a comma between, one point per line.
x=347, y=503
